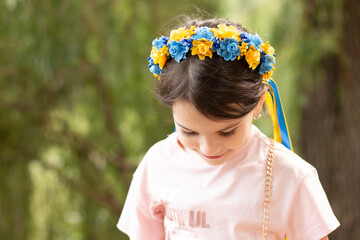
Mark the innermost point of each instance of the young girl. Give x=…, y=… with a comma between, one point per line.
x=217, y=176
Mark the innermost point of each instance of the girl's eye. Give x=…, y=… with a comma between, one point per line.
x=188, y=134
x=227, y=134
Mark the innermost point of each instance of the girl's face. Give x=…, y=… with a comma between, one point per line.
x=214, y=141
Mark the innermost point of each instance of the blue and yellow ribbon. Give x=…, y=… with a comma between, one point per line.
x=273, y=103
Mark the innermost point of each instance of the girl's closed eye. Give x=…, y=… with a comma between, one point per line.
x=228, y=134
x=187, y=134
x=223, y=134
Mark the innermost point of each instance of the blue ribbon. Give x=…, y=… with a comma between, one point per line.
x=280, y=115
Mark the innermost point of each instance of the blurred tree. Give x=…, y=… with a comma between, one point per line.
x=330, y=117
x=76, y=109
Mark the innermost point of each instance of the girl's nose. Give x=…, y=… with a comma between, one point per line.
x=209, y=147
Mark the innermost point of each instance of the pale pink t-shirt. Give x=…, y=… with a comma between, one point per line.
x=176, y=195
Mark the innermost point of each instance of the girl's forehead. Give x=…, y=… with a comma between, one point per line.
x=185, y=114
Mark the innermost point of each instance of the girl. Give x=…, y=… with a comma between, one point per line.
x=218, y=177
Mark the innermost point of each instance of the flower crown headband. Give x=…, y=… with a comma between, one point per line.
x=224, y=40
x=231, y=45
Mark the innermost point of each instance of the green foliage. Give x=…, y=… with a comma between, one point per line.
x=77, y=112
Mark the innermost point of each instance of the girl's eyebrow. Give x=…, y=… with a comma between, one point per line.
x=183, y=126
x=224, y=129
x=231, y=126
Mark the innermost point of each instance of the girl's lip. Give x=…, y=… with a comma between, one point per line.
x=213, y=157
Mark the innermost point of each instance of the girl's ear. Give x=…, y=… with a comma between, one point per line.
x=260, y=104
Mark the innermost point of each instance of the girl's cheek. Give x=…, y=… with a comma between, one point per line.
x=187, y=142
x=238, y=141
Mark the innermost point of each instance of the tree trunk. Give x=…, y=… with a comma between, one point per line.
x=330, y=126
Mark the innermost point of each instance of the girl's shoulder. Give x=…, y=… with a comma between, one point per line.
x=157, y=154
x=164, y=147
x=287, y=162
x=162, y=150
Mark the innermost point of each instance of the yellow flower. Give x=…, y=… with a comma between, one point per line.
x=159, y=56
x=202, y=48
x=267, y=48
x=157, y=76
x=181, y=33
x=268, y=74
x=253, y=57
x=223, y=32
x=243, y=48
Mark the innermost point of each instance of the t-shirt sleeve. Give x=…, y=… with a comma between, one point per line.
x=311, y=216
x=136, y=219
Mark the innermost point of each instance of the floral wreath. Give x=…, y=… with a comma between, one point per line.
x=226, y=41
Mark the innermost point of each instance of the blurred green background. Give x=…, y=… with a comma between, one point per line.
x=77, y=109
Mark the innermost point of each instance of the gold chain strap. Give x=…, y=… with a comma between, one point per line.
x=268, y=187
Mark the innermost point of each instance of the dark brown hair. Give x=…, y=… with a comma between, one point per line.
x=217, y=88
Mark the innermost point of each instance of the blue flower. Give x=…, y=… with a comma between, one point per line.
x=151, y=62
x=187, y=42
x=244, y=37
x=255, y=39
x=178, y=50
x=160, y=42
x=267, y=63
x=252, y=40
x=155, y=69
x=203, y=32
x=229, y=49
x=216, y=44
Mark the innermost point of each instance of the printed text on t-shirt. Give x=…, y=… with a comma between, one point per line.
x=196, y=219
